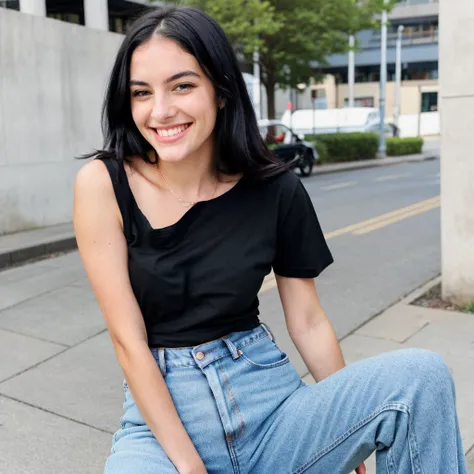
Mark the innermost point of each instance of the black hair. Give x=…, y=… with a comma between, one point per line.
x=239, y=147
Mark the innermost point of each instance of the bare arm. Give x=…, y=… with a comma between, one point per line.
x=103, y=249
x=310, y=330
x=308, y=326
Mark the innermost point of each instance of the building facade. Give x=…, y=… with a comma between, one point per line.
x=419, y=91
x=108, y=15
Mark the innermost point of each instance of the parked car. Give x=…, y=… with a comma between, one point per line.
x=288, y=146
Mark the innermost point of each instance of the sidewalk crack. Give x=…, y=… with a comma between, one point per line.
x=45, y=410
x=34, y=366
x=12, y=331
x=416, y=332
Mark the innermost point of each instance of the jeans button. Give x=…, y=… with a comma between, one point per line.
x=200, y=355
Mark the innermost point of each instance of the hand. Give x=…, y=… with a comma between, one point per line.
x=361, y=469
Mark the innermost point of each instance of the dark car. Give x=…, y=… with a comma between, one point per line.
x=288, y=146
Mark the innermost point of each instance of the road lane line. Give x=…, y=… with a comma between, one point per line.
x=338, y=185
x=389, y=177
x=373, y=220
x=385, y=219
x=399, y=218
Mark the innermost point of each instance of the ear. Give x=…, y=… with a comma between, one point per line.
x=221, y=103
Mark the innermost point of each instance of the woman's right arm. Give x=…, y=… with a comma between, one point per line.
x=103, y=249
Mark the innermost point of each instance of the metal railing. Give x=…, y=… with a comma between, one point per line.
x=409, y=38
x=416, y=2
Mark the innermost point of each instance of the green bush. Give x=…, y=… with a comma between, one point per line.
x=404, y=146
x=469, y=307
x=322, y=151
x=338, y=147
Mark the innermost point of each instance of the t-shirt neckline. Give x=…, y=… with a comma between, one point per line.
x=188, y=213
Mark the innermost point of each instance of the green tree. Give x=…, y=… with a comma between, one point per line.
x=294, y=37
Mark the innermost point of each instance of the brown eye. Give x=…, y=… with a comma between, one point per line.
x=139, y=93
x=183, y=87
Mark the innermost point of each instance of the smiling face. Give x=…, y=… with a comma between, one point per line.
x=173, y=103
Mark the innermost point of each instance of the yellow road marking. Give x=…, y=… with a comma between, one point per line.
x=392, y=220
x=368, y=226
x=374, y=220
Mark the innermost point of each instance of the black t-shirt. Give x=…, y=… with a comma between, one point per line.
x=198, y=280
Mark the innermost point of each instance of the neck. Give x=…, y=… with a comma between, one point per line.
x=191, y=179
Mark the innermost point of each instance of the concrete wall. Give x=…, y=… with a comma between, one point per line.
x=52, y=81
x=457, y=162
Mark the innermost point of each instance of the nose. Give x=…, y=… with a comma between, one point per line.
x=163, y=108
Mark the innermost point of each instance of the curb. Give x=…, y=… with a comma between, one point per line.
x=37, y=251
x=371, y=164
x=405, y=300
x=415, y=294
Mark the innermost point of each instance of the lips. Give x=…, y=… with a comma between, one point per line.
x=171, y=134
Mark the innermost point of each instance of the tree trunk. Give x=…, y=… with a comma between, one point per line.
x=270, y=85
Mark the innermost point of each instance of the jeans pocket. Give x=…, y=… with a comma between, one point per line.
x=264, y=354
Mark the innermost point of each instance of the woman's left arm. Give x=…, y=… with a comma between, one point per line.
x=308, y=326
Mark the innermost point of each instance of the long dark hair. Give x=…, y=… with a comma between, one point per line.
x=239, y=147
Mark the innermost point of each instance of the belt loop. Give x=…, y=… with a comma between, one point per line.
x=162, y=361
x=232, y=349
x=267, y=330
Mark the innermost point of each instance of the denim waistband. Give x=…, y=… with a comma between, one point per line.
x=208, y=352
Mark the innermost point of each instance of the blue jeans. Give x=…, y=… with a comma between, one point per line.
x=247, y=411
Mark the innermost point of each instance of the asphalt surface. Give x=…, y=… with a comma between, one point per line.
x=372, y=270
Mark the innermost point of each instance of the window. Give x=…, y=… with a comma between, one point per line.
x=67, y=17
x=11, y=4
x=276, y=134
x=429, y=101
x=318, y=94
x=360, y=102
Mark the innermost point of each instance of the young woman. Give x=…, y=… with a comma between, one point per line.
x=178, y=221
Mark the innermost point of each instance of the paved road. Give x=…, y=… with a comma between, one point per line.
x=60, y=396
x=372, y=270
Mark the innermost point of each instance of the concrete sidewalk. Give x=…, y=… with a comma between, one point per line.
x=60, y=384
x=29, y=245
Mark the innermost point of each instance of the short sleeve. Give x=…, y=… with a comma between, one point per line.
x=301, y=250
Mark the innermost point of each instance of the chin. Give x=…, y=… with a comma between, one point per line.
x=169, y=156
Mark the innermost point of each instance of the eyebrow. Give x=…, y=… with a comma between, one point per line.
x=174, y=77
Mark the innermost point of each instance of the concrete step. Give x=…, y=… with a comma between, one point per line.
x=33, y=244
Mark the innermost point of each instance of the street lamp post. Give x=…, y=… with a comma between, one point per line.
x=383, y=81
x=351, y=73
x=398, y=77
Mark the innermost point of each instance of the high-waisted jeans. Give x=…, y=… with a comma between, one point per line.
x=247, y=411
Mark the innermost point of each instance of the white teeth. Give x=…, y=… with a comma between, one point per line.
x=171, y=131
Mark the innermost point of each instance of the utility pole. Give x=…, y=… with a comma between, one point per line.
x=398, y=77
x=351, y=72
x=383, y=82
x=256, y=84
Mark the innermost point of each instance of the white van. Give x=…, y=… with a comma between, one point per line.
x=349, y=119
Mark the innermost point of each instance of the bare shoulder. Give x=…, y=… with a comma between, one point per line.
x=93, y=177
x=94, y=194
